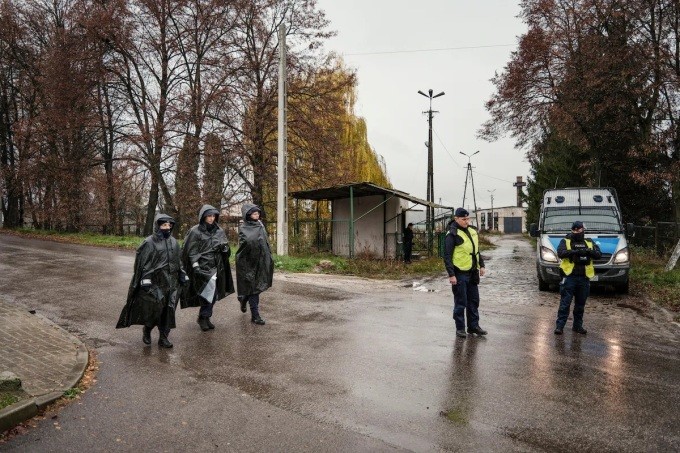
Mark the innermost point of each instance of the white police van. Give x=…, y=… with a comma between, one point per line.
x=598, y=208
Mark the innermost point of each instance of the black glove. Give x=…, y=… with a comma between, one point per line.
x=145, y=283
x=226, y=250
x=183, y=279
x=572, y=254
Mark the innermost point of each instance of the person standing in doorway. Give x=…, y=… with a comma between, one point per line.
x=153, y=291
x=205, y=255
x=408, y=243
x=576, y=266
x=254, y=263
x=465, y=265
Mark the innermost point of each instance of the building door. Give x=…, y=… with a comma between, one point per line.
x=512, y=225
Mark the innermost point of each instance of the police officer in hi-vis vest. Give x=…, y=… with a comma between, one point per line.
x=464, y=265
x=576, y=266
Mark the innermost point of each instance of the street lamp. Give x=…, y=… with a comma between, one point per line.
x=430, y=171
x=472, y=181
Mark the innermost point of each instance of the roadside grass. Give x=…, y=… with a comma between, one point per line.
x=390, y=269
x=99, y=240
x=383, y=269
x=7, y=399
x=648, y=276
x=72, y=393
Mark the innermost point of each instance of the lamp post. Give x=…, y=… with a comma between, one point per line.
x=430, y=170
x=472, y=181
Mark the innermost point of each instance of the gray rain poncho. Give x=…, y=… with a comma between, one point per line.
x=158, y=269
x=205, y=256
x=254, y=263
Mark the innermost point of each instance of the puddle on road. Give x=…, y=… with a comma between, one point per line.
x=318, y=293
x=317, y=316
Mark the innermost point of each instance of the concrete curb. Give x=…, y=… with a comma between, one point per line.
x=28, y=408
x=17, y=413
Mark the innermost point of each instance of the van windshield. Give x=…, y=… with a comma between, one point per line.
x=596, y=220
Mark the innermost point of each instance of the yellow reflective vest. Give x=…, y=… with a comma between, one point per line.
x=567, y=265
x=462, y=254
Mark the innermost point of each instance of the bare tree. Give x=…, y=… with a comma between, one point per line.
x=150, y=71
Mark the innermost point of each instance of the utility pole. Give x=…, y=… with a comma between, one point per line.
x=493, y=223
x=472, y=180
x=430, y=172
x=282, y=195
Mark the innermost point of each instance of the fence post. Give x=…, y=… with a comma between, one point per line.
x=656, y=239
x=674, y=258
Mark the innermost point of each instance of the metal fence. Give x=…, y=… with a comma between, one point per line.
x=662, y=237
x=395, y=245
x=304, y=236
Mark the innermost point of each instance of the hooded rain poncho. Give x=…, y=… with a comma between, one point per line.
x=254, y=263
x=157, y=261
x=205, y=256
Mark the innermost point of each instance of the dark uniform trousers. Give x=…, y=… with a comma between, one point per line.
x=465, y=302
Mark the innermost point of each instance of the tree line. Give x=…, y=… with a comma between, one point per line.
x=593, y=94
x=113, y=109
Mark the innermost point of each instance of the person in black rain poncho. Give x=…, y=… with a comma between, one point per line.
x=205, y=256
x=153, y=291
x=254, y=263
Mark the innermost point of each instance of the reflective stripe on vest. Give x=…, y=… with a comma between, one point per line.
x=462, y=254
x=567, y=265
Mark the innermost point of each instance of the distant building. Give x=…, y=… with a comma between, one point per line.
x=509, y=219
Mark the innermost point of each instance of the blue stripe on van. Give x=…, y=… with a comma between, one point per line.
x=607, y=245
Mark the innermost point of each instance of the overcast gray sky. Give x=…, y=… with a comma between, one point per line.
x=391, y=45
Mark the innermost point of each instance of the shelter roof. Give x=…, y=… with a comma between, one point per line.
x=359, y=189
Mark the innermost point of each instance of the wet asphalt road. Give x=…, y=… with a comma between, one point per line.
x=348, y=364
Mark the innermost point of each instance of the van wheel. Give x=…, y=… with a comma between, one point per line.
x=543, y=285
x=622, y=288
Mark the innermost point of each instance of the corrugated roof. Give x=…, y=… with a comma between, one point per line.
x=360, y=189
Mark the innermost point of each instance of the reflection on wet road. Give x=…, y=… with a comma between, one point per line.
x=380, y=361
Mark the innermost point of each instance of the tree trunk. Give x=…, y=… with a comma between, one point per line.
x=151, y=207
x=676, y=201
x=112, y=224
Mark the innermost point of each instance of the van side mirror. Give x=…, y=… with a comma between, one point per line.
x=630, y=230
x=533, y=230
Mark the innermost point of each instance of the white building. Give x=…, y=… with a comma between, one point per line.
x=508, y=219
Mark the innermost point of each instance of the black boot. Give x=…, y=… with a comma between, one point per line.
x=210, y=325
x=255, y=314
x=244, y=303
x=146, y=335
x=203, y=323
x=163, y=341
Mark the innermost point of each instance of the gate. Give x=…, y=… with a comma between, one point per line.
x=512, y=225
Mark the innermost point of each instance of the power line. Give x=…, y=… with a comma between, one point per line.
x=457, y=163
x=493, y=177
x=387, y=52
x=444, y=146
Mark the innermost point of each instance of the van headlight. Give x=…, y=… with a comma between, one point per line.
x=548, y=255
x=621, y=256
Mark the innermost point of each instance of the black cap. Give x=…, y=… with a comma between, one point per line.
x=461, y=212
x=577, y=225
